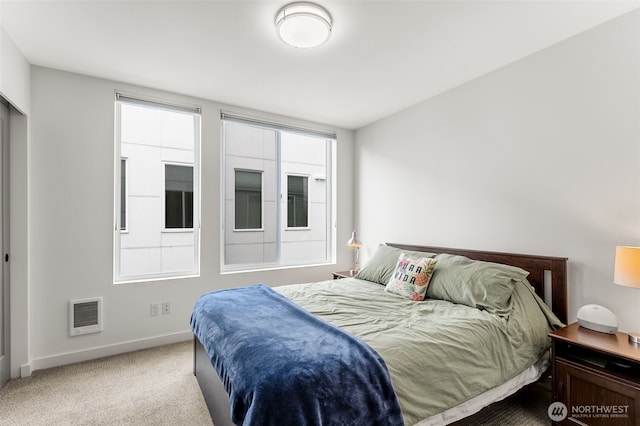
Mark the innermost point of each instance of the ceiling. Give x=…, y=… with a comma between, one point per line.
x=383, y=56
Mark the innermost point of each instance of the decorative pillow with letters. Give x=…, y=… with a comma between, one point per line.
x=411, y=277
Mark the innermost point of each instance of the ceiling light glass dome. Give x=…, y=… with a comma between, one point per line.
x=303, y=25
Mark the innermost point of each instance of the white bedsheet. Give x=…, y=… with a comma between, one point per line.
x=496, y=394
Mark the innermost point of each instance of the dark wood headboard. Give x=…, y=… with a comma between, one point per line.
x=536, y=265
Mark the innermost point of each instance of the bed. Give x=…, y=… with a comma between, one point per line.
x=446, y=357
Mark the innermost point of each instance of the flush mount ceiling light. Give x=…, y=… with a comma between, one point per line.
x=303, y=24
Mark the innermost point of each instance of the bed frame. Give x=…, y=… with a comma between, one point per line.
x=548, y=275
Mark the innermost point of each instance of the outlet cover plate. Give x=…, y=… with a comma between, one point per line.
x=155, y=309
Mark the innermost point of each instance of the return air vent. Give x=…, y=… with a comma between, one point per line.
x=85, y=316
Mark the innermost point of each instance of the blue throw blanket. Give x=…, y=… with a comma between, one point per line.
x=283, y=366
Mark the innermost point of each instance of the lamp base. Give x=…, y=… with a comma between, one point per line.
x=634, y=338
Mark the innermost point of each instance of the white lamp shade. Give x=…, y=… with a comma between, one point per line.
x=303, y=25
x=627, y=266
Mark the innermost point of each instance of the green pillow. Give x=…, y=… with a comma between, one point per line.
x=483, y=285
x=381, y=265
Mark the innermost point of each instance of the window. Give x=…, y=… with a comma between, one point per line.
x=123, y=194
x=178, y=196
x=157, y=196
x=278, y=195
x=248, y=205
x=297, y=201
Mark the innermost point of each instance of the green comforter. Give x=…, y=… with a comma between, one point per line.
x=439, y=354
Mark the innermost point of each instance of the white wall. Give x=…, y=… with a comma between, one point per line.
x=541, y=156
x=71, y=222
x=14, y=73
x=15, y=87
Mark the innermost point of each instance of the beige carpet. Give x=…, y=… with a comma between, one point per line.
x=149, y=387
x=157, y=387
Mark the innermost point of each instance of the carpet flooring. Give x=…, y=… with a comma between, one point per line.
x=149, y=387
x=157, y=387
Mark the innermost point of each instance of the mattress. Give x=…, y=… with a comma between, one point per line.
x=496, y=394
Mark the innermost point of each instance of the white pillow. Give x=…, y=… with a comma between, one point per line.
x=411, y=277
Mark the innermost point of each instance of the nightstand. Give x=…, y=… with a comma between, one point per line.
x=596, y=376
x=343, y=274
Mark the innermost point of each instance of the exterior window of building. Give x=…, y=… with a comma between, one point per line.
x=157, y=191
x=178, y=196
x=248, y=203
x=278, y=195
x=123, y=194
x=297, y=201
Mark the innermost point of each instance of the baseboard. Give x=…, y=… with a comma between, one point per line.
x=25, y=370
x=103, y=351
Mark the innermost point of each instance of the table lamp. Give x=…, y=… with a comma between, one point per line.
x=627, y=273
x=354, y=243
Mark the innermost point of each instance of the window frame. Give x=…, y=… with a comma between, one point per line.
x=164, y=197
x=155, y=103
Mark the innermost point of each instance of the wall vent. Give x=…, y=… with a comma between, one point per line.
x=85, y=316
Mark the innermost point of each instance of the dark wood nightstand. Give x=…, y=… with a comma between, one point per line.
x=596, y=376
x=343, y=274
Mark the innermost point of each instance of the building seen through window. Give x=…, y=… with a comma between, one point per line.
x=157, y=192
x=277, y=196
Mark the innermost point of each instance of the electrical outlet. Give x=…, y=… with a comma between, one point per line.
x=166, y=308
x=155, y=309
